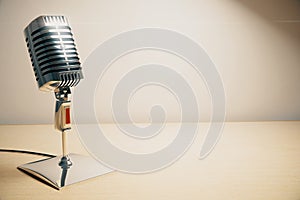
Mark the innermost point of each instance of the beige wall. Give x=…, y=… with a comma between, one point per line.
x=254, y=44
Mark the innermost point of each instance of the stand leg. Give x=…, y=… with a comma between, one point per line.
x=64, y=143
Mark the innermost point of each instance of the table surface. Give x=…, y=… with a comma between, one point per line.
x=252, y=160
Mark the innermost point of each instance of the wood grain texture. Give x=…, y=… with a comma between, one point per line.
x=253, y=160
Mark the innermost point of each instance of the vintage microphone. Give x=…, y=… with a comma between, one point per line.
x=57, y=68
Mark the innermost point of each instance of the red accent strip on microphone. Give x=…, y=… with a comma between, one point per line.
x=68, y=118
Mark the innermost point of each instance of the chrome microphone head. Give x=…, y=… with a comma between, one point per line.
x=53, y=53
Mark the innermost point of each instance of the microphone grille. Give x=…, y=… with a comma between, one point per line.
x=53, y=52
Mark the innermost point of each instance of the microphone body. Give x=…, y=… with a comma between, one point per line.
x=53, y=53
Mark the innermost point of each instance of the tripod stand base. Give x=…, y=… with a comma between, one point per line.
x=61, y=171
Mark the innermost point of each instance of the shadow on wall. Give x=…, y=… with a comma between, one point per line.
x=282, y=14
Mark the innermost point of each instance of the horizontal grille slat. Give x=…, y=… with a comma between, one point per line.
x=53, y=54
x=60, y=69
x=47, y=28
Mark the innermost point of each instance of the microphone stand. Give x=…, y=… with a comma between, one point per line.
x=67, y=169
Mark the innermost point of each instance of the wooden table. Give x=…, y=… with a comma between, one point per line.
x=253, y=160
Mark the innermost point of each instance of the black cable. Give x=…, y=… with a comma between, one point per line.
x=27, y=152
